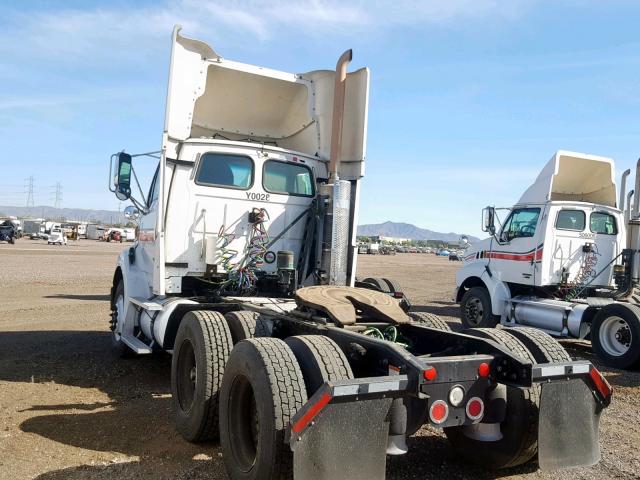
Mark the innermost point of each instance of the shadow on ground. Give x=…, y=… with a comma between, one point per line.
x=69, y=296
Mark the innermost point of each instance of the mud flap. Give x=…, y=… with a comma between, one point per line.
x=346, y=441
x=568, y=425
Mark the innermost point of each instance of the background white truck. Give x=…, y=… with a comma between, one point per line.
x=244, y=269
x=564, y=260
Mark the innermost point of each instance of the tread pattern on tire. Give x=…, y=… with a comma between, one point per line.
x=378, y=282
x=430, y=320
x=543, y=347
x=246, y=324
x=331, y=361
x=287, y=387
x=531, y=395
x=218, y=344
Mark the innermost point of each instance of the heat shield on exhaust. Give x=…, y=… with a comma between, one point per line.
x=568, y=426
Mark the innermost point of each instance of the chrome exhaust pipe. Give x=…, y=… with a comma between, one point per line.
x=623, y=188
x=338, y=113
x=636, y=198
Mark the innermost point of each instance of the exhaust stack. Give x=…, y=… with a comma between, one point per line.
x=338, y=113
x=336, y=192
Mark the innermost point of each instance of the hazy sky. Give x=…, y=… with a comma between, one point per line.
x=469, y=98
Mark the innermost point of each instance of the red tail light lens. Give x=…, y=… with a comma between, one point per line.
x=484, y=370
x=430, y=373
x=439, y=411
x=475, y=408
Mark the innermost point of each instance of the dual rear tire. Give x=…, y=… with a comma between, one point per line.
x=247, y=394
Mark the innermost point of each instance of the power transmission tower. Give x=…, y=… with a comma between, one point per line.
x=29, y=191
x=58, y=200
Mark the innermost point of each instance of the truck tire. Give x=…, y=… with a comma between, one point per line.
x=475, y=309
x=519, y=442
x=430, y=320
x=246, y=324
x=261, y=391
x=378, y=283
x=320, y=360
x=615, y=335
x=201, y=349
x=117, y=316
x=390, y=287
x=543, y=347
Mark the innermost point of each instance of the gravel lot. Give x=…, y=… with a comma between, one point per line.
x=70, y=410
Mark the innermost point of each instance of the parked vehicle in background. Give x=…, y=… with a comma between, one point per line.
x=442, y=252
x=8, y=232
x=374, y=248
x=455, y=257
x=57, y=236
x=113, y=235
x=566, y=260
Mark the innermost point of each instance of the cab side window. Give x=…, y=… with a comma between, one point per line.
x=521, y=223
x=604, y=223
x=571, y=220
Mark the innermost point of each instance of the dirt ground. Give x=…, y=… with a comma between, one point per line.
x=70, y=410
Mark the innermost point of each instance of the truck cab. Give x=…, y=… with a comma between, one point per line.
x=557, y=256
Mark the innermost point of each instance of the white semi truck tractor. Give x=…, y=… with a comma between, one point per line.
x=565, y=260
x=244, y=270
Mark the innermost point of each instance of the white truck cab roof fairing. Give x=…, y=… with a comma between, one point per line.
x=574, y=177
x=209, y=96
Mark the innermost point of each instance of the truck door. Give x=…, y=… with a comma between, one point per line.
x=605, y=232
x=514, y=259
x=147, y=250
x=569, y=237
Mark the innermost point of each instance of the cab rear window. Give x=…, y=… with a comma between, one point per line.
x=603, y=223
x=222, y=170
x=571, y=220
x=287, y=178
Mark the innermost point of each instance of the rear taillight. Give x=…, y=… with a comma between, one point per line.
x=439, y=411
x=475, y=408
x=601, y=384
x=484, y=369
x=430, y=373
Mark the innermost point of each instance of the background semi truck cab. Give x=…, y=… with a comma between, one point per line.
x=558, y=259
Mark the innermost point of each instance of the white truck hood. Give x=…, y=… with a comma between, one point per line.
x=209, y=96
x=574, y=176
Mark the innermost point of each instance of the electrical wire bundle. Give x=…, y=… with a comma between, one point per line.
x=585, y=275
x=390, y=334
x=242, y=277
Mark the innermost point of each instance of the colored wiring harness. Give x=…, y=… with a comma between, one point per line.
x=241, y=276
x=390, y=334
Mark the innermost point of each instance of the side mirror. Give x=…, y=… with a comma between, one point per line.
x=488, y=220
x=131, y=213
x=123, y=179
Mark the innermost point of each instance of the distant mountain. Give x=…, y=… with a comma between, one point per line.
x=80, y=214
x=407, y=230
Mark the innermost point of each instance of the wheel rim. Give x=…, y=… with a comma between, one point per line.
x=187, y=376
x=615, y=336
x=117, y=318
x=474, y=311
x=245, y=421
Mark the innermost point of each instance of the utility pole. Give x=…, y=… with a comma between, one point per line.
x=58, y=194
x=29, y=191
